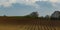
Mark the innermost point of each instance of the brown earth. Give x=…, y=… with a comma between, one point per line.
x=14, y=23
x=14, y=20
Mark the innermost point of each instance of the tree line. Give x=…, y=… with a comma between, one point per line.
x=36, y=15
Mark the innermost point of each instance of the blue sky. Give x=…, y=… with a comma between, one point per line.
x=25, y=7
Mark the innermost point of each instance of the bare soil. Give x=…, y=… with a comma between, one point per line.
x=13, y=23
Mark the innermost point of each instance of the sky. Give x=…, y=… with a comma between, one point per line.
x=25, y=7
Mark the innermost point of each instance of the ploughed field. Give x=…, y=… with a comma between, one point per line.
x=13, y=23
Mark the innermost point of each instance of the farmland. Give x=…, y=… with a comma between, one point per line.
x=14, y=23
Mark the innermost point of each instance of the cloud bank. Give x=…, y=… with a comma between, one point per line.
x=44, y=7
x=7, y=3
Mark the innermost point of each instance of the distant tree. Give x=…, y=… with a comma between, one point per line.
x=27, y=16
x=33, y=15
x=47, y=17
x=59, y=18
x=41, y=17
x=4, y=15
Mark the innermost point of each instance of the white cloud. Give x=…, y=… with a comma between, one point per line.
x=26, y=1
x=54, y=1
x=12, y=1
x=7, y=3
x=43, y=0
x=29, y=2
